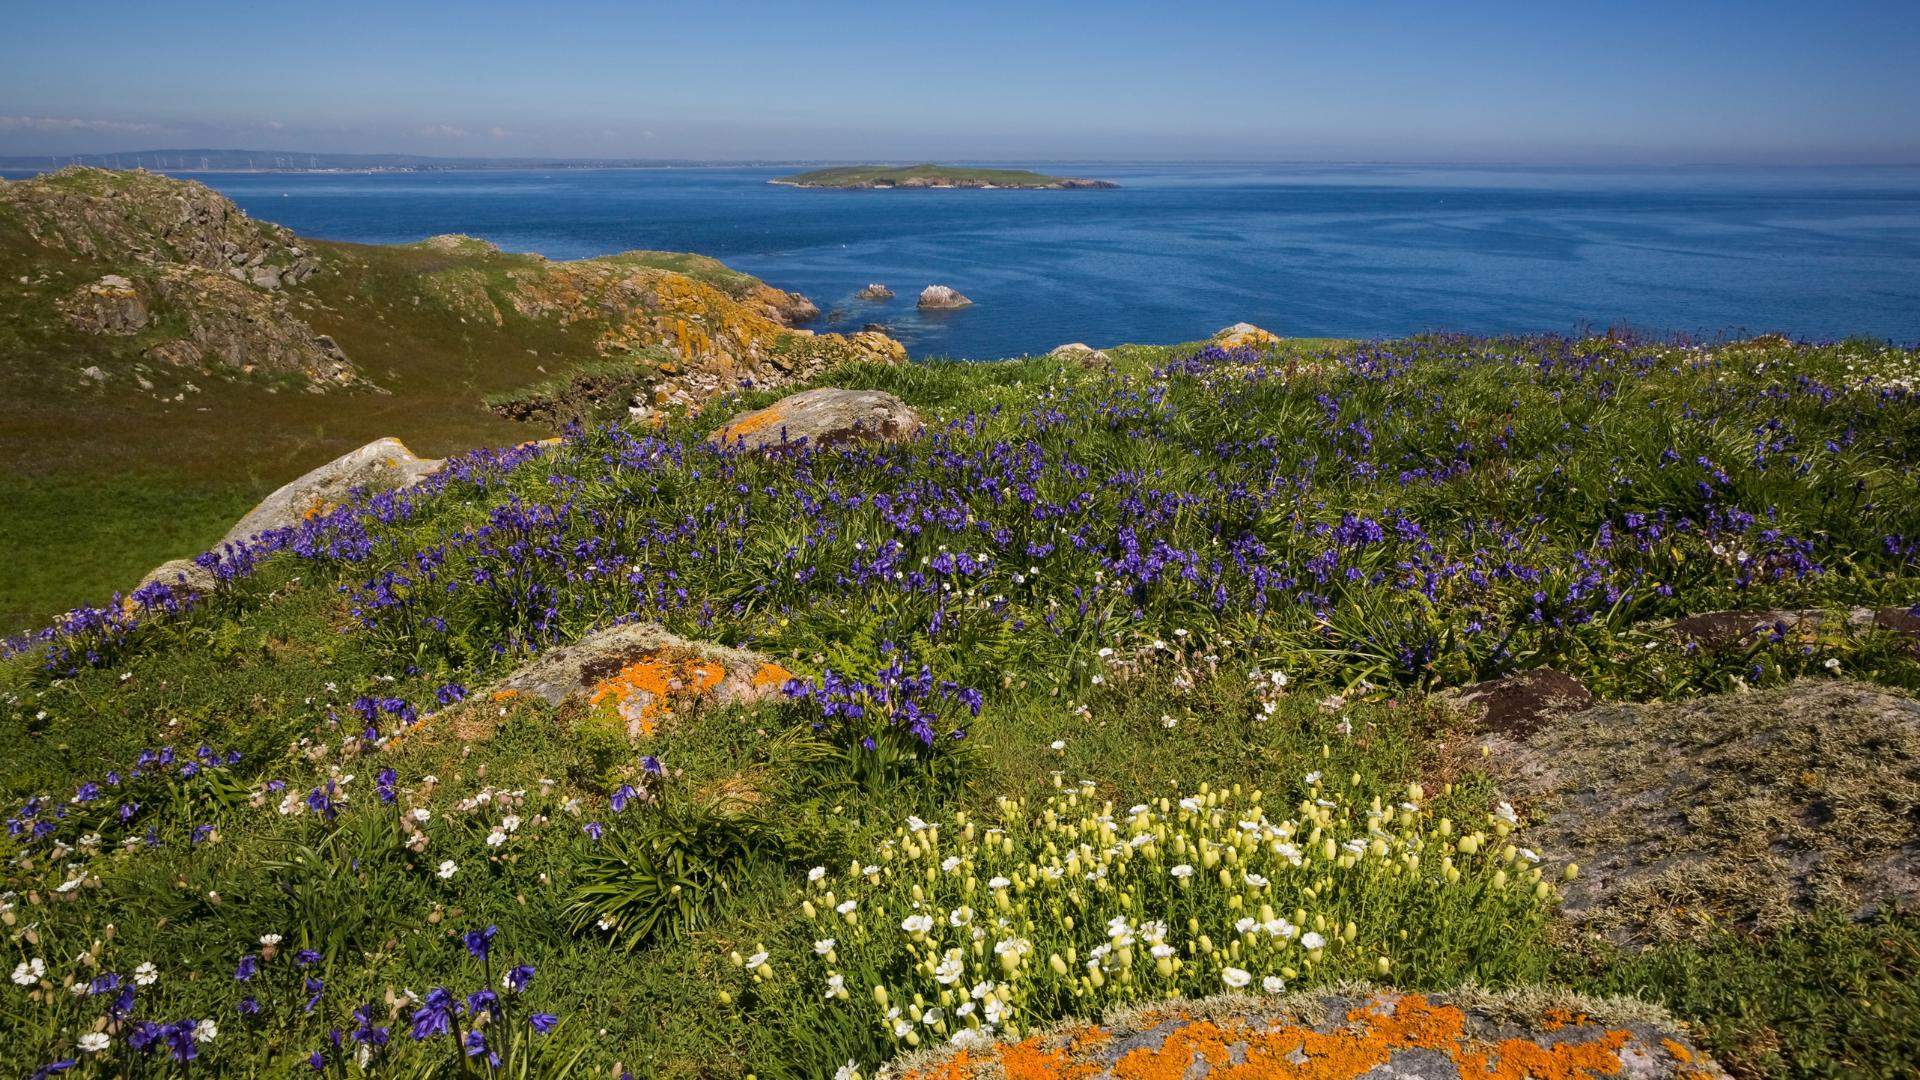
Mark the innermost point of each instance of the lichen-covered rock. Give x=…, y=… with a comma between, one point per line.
x=110, y=305
x=1244, y=336
x=1082, y=354
x=184, y=576
x=1743, y=810
x=382, y=465
x=233, y=326
x=875, y=291
x=640, y=674
x=1334, y=1035
x=1519, y=703
x=822, y=417
x=942, y=298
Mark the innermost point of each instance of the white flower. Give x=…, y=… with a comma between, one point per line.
x=847, y=907
x=1832, y=663
x=448, y=868
x=1167, y=721
x=1059, y=744
x=960, y=916
x=816, y=873
x=1162, y=951
x=915, y=824
x=28, y=972
x=1235, y=978
x=146, y=974
x=756, y=960
x=995, y=1011
x=421, y=813
x=511, y=822
x=1012, y=946
x=1272, y=984
x=496, y=837
x=824, y=946
x=1256, y=880
x=836, y=985
x=917, y=924
x=949, y=969
x=1505, y=813
x=1311, y=940
x=1313, y=778
x=269, y=940
x=949, y=864
x=1182, y=871
x=94, y=1041
x=206, y=1031
x=998, y=882
x=849, y=1071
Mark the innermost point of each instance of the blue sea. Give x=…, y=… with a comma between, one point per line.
x=1179, y=251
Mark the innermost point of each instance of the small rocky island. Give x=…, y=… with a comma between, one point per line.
x=887, y=177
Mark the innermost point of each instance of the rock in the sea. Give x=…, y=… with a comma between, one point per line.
x=1244, y=336
x=1334, y=1035
x=110, y=305
x=382, y=465
x=641, y=674
x=941, y=298
x=1741, y=810
x=875, y=291
x=1518, y=704
x=1083, y=354
x=821, y=417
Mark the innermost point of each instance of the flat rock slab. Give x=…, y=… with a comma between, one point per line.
x=1717, y=630
x=823, y=417
x=1344, y=1036
x=382, y=465
x=1735, y=810
x=1519, y=704
x=641, y=674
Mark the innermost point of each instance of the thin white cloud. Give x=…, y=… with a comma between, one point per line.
x=443, y=131
x=69, y=123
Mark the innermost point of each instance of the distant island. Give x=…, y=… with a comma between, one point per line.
x=876, y=177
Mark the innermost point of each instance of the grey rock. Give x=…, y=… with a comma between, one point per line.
x=111, y=305
x=1083, y=354
x=640, y=672
x=875, y=291
x=382, y=465
x=942, y=298
x=822, y=417
x=184, y=576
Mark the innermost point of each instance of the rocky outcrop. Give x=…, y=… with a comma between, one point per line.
x=381, y=465
x=941, y=298
x=145, y=218
x=110, y=305
x=232, y=326
x=1082, y=354
x=184, y=577
x=1244, y=336
x=1743, y=810
x=875, y=292
x=639, y=674
x=459, y=244
x=1343, y=1035
x=822, y=417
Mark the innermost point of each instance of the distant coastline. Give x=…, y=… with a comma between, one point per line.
x=933, y=177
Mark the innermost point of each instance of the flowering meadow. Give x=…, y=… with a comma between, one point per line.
x=1110, y=687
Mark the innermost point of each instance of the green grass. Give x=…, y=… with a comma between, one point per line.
x=848, y=176
x=1561, y=442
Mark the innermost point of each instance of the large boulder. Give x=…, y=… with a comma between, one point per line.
x=1736, y=810
x=1244, y=336
x=640, y=674
x=875, y=291
x=1335, y=1035
x=941, y=298
x=822, y=417
x=1079, y=352
x=382, y=465
x=184, y=577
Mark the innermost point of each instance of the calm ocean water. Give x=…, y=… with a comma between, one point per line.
x=1179, y=251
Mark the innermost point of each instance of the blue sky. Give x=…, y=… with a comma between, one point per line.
x=1682, y=81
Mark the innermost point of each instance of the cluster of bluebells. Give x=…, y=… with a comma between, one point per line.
x=117, y=803
x=898, y=701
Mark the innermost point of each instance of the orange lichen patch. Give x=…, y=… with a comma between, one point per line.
x=1680, y=1053
x=771, y=675
x=504, y=695
x=316, y=508
x=643, y=691
x=750, y=423
x=1257, y=1050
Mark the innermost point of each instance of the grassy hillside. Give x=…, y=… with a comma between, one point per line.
x=109, y=475
x=926, y=176
x=1212, y=587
